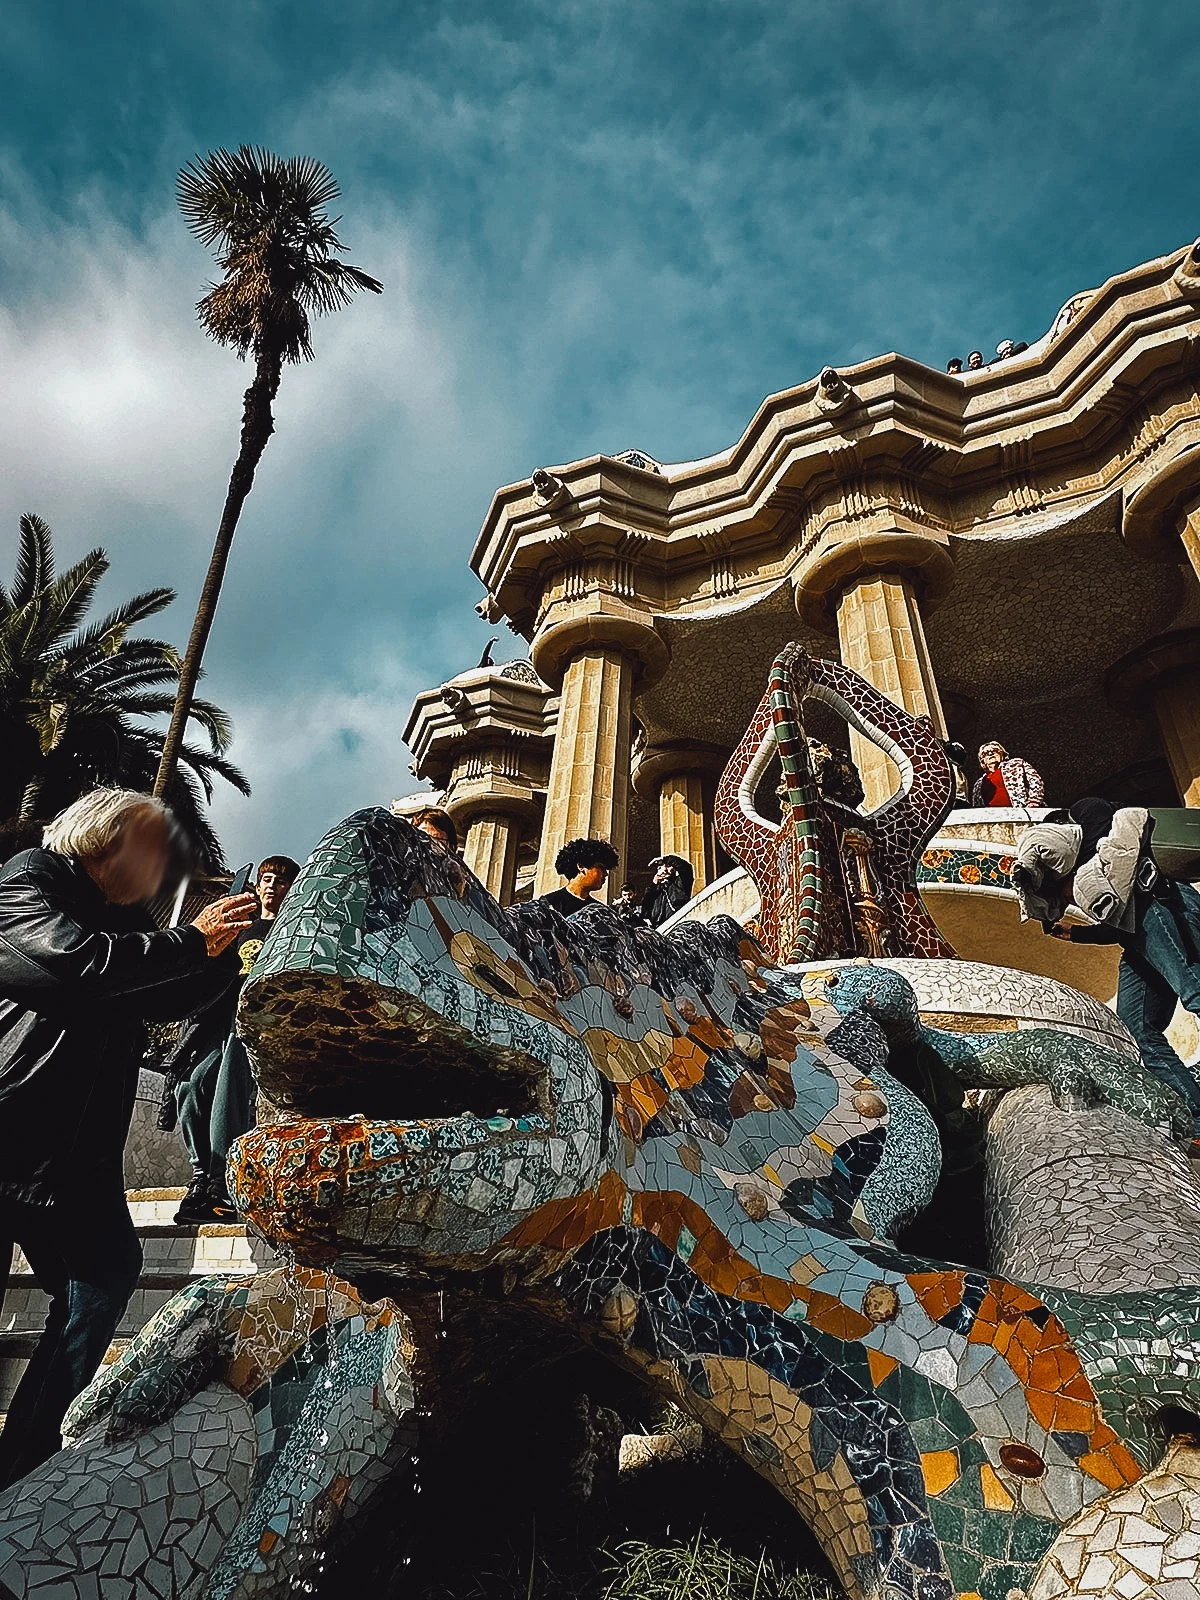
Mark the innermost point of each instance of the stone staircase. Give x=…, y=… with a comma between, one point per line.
x=173, y=1258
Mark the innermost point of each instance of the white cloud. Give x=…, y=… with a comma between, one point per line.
x=598, y=226
x=118, y=423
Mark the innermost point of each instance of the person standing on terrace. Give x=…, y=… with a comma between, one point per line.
x=210, y=1088
x=1006, y=780
x=1098, y=857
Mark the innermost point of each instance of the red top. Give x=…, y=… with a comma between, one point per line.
x=993, y=788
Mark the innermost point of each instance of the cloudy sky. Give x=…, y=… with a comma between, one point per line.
x=599, y=225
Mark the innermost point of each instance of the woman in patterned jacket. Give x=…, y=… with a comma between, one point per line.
x=1007, y=780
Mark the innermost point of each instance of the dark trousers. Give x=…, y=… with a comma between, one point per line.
x=215, y=1103
x=1160, y=966
x=85, y=1255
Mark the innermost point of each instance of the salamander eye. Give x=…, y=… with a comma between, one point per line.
x=492, y=978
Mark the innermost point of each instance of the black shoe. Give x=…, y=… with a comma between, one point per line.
x=220, y=1205
x=196, y=1205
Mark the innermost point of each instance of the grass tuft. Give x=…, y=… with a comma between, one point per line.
x=703, y=1569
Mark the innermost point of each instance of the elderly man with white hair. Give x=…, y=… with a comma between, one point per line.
x=81, y=966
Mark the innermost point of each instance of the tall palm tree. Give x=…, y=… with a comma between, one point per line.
x=73, y=698
x=278, y=251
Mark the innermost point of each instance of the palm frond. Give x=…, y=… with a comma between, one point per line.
x=68, y=597
x=107, y=634
x=227, y=195
x=184, y=799
x=276, y=248
x=35, y=560
x=114, y=676
x=185, y=793
x=216, y=723
x=24, y=630
x=71, y=695
x=332, y=284
x=205, y=763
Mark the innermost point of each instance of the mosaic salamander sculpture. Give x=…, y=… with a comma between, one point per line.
x=658, y=1141
x=661, y=1143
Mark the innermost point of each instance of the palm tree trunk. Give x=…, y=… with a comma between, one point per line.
x=258, y=424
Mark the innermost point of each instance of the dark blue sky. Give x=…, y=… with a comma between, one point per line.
x=598, y=225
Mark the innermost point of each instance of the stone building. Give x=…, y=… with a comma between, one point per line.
x=1014, y=551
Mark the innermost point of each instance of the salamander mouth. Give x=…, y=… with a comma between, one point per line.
x=326, y=1046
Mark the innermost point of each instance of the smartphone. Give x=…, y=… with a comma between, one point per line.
x=241, y=882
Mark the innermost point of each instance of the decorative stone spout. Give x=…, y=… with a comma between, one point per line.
x=834, y=395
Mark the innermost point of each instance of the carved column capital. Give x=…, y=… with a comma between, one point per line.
x=493, y=797
x=1163, y=677
x=622, y=629
x=921, y=558
x=661, y=761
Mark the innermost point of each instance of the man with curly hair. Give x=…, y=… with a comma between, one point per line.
x=586, y=864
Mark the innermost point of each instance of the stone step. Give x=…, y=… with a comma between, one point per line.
x=153, y=1205
x=172, y=1258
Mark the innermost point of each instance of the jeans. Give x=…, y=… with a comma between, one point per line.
x=1160, y=966
x=85, y=1255
x=216, y=1106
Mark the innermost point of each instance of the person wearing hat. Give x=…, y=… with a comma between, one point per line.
x=670, y=889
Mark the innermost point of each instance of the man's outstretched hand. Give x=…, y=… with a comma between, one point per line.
x=223, y=920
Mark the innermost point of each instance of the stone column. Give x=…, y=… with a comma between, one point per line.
x=490, y=850
x=684, y=824
x=598, y=659
x=1189, y=536
x=589, y=770
x=874, y=578
x=1177, y=707
x=882, y=638
x=1164, y=677
x=683, y=774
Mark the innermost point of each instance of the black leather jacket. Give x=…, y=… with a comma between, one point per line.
x=77, y=977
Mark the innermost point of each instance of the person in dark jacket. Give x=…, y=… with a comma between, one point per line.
x=1098, y=854
x=628, y=905
x=81, y=969
x=210, y=1087
x=670, y=889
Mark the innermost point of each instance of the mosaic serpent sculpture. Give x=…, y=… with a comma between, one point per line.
x=797, y=864
x=1070, y=1067
x=657, y=1142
